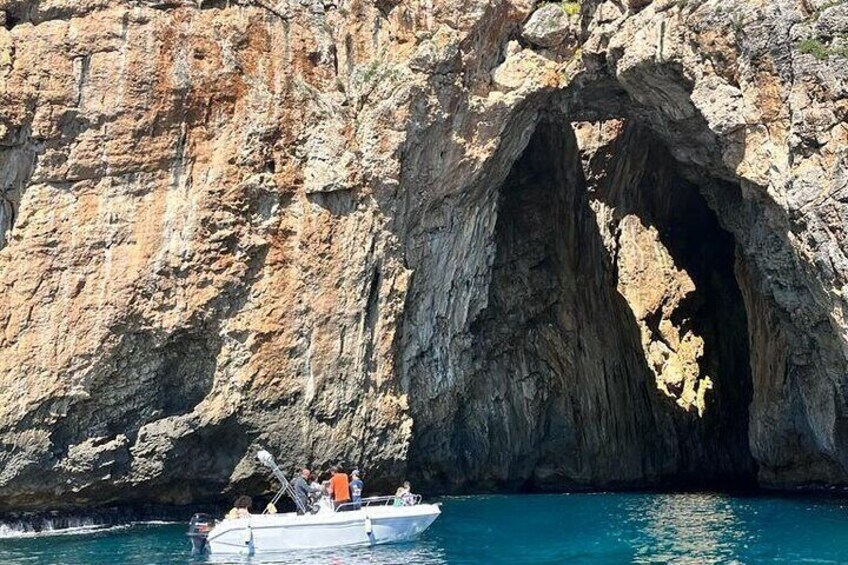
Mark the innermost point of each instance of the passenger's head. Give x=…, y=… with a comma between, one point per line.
x=406, y=485
x=355, y=474
x=334, y=469
x=304, y=473
x=243, y=501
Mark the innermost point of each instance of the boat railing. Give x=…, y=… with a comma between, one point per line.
x=391, y=500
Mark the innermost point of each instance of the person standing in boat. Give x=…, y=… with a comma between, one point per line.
x=339, y=486
x=301, y=490
x=356, y=487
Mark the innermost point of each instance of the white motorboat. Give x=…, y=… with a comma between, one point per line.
x=371, y=521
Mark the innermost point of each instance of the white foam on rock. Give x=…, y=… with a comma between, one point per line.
x=65, y=527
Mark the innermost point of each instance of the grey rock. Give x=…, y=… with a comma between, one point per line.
x=549, y=26
x=833, y=21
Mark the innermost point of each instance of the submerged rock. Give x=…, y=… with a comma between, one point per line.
x=389, y=235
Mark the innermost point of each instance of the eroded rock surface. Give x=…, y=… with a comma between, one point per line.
x=549, y=26
x=423, y=238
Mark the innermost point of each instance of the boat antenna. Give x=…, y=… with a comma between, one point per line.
x=268, y=460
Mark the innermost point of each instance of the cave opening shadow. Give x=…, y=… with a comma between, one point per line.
x=657, y=192
x=563, y=396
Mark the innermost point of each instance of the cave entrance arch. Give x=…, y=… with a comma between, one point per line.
x=612, y=350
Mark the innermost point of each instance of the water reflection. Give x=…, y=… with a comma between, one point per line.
x=687, y=528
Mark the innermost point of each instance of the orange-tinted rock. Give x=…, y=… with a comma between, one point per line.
x=233, y=224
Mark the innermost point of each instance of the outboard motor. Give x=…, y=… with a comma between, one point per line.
x=198, y=529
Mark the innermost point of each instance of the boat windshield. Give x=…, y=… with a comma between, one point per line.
x=409, y=500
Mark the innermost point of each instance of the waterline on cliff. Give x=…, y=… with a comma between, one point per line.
x=96, y=519
x=65, y=527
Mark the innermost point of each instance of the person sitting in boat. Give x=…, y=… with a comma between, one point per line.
x=339, y=486
x=316, y=486
x=408, y=498
x=324, y=502
x=404, y=496
x=241, y=508
x=301, y=491
x=399, y=494
x=356, y=486
x=317, y=492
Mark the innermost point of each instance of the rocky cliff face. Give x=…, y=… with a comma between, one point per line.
x=485, y=244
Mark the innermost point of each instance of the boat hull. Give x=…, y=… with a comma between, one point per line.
x=266, y=533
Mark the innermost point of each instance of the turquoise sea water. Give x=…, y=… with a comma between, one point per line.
x=532, y=529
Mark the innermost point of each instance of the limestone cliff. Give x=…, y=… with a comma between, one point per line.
x=485, y=244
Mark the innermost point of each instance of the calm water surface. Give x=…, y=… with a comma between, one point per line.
x=537, y=529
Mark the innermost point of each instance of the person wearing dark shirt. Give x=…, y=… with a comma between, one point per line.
x=301, y=491
x=356, y=487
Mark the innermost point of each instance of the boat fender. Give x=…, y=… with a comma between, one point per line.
x=368, y=525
